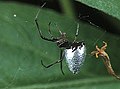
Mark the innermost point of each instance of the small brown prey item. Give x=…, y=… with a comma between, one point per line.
x=101, y=52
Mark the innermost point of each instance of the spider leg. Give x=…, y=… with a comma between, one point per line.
x=50, y=30
x=40, y=33
x=61, y=68
x=59, y=29
x=76, y=34
x=61, y=57
x=58, y=61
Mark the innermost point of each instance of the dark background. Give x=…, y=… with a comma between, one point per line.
x=87, y=14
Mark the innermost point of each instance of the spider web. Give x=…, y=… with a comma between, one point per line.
x=21, y=70
x=98, y=38
x=12, y=82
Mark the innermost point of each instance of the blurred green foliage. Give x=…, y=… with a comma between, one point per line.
x=110, y=7
x=22, y=50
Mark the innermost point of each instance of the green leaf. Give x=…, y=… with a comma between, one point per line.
x=21, y=51
x=104, y=83
x=110, y=7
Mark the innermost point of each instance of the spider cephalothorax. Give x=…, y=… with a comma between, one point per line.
x=62, y=41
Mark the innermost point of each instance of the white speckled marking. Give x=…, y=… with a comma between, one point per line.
x=75, y=59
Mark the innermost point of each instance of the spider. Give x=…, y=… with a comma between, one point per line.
x=101, y=52
x=74, y=52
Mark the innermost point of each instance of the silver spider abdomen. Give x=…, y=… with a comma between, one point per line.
x=75, y=58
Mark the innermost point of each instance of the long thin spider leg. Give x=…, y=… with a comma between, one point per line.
x=58, y=61
x=61, y=68
x=37, y=25
x=77, y=31
x=50, y=30
x=58, y=29
x=61, y=57
x=40, y=33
